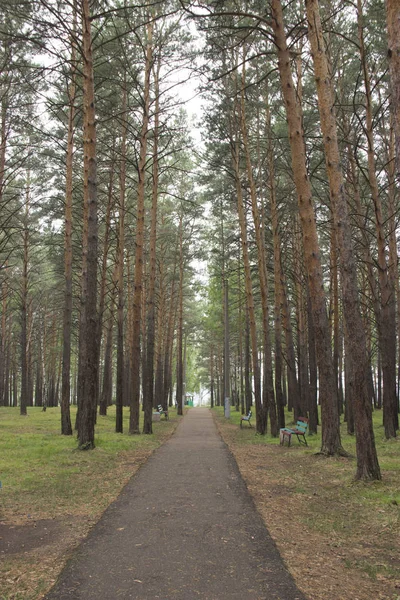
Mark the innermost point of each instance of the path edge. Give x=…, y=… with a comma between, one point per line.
x=69, y=555
x=254, y=503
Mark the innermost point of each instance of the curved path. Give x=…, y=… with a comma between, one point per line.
x=184, y=527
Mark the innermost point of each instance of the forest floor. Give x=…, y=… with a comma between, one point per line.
x=339, y=538
x=52, y=494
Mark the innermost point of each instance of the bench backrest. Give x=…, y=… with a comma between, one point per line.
x=249, y=415
x=302, y=424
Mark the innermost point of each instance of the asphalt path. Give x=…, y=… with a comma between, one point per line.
x=184, y=527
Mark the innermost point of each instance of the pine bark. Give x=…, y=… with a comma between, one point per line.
x=169, y=342
x=300, y=404
x=277, y=274
x=393, y=30
x=212, y=376
x=387, y=333
x=66, y=425
x=106, y=391
x=139, y=240
x=312, y=362
x=179, y=349
x=120, y=260
x=260, y=413
x=247, y=367
x=331, y=442
x=89, y=358
x=367, y=460
x=268, y=395
x=105, y=258
x=161, y=329
x=148, y=375
x=25, y=301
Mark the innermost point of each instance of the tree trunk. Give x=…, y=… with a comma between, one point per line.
x=104, y=266
x=367, y=461
x=300, y=404
x=240, y=336
x=277, y=274
x=148, y=375
x=120, y=260
x=268, y=391
x=66, y=425
x=247, y=367
x=260, y=413
x=89, y=358
x=212, y=376
x=179, y=350
x=106, y=392
x=387, y=338
x=169, y=343
x=24, y=302
x=393, y=30
x=161, y=339
x=331, y=442
x=334, y=312
x=293, y=383
x=312, y=361
x=140, y=214
x=349, y=385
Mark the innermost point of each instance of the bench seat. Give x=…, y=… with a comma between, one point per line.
x=300, y=430
x=246, y=418
x=162, y=411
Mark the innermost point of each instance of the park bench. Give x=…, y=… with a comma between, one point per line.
x=299, y=431
x=162, y=411
x=246, y=418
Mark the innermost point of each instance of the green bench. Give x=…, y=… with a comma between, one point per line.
x=246, y=418
x=162, y=411
x=299, y=431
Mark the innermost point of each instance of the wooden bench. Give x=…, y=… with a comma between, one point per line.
x=162, y=411
x=246, y=418
x=299, y=431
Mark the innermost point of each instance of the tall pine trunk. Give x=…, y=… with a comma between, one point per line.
x=268, y=395
x=393, y=29
x=367, y=461
x=89, y=356
x=148, y=375
x=24, y=303
x=261, y=415
x=66, y=425
x=179, y=347
x=387, y=333
x=331, y=442
x=120, y=276
x=139, y=240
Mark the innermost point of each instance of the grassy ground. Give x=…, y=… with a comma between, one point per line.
x=339, y=538
x=52, y=493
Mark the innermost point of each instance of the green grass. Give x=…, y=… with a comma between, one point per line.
x=39, y=467
x=45, y=476
x=388, y=450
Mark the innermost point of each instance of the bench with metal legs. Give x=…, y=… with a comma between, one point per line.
x=285, y=434
x=246, y=418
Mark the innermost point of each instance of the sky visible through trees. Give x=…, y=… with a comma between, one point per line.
x=282, y=192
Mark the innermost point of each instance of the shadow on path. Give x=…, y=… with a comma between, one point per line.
x=184, y=527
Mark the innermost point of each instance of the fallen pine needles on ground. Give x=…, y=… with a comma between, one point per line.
x=339, y=538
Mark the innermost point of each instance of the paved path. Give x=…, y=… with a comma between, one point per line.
x=184, y=527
